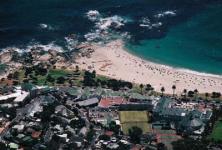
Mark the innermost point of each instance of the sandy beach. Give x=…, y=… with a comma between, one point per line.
x=112, y=60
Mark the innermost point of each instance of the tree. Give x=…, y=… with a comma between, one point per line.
x=89, y=79
x=93, y=74
x=195, y=93
x=185, y=93
x=60, y=80
x=114, y=127
x=10, y=76
x=47, y=112
x=16, y=75
x=216, y=94
x=77, y=68
x=2, y=146
x=50, y=79
x=162, y=90
x=174, y=88
x=113, y=84
x=161, y=146
x=149, y=87
x=206, y=96
x=141, y=88
x=135, y=134
x=90, y=135
x=188, y=143
x=77, y=123
x=190, y=93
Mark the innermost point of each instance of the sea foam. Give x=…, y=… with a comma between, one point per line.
x=146, y=23
x=104, y=27
x=44, y=26
x=93, y=15
x=165, y=13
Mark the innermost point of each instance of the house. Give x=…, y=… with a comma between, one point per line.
x=19, y=128
x=112, y=146
x=21, y=98
x=13, y=146
x=185, y=117
x=109, y=103
x=63, y=111
x=191, y=125
x=89, y=102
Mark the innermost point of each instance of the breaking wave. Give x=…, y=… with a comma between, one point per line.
x=105, y=28
x=166, y=13
x=44, y=26
x=146, y=23
x=33, y=46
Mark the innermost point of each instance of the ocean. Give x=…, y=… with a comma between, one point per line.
x=180, y=33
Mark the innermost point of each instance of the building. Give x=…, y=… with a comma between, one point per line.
x=184, y=117
x=89, y=102
x=111, y=103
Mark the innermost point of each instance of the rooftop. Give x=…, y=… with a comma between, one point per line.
x=88, y=102
x=109, y=102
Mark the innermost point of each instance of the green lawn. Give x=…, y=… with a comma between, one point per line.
x=55, y=73
x=129, y=119
x=217, y=131
x=2, y=67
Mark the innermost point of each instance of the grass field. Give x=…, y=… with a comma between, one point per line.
x=217, y=131
x=2, y=67
x=139, y=119
x=55, y=73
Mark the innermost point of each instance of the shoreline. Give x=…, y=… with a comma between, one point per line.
x=190, y=71
x=115, y=61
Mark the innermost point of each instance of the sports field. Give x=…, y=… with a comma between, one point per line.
x=139, y=119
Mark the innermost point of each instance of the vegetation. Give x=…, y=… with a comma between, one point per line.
x=216, y=135
x=141, y=87
x=47, y=75
x=162, y=90
x=114, y=127
x=2, y=67
x=188, y=143
x=91, y=79
x=174, y=88
x=135, y=134
x=90, y=134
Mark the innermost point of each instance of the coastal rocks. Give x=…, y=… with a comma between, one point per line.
x=8, y=55
x=87, y=52
x=5, y=57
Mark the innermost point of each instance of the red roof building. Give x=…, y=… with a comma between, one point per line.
x=110, y=102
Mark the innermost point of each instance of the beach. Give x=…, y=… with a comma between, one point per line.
x=114, y=61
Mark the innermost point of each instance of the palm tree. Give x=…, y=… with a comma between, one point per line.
x=141, y=88
x=185, y=92
x=195, y=92
x=149, y=88
x=127, y=97
x=77, y=68
x=174, y=88
x=206, y=96
x=162, y=90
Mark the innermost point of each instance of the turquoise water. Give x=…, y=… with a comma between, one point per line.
x=195, y=44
